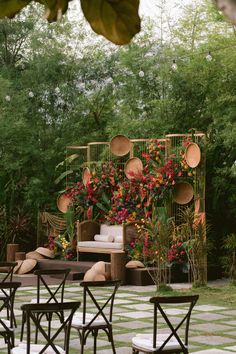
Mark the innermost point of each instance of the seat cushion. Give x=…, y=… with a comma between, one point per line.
x=78, y=320
x=97, y=244
x=35, y=349
x=145, y=341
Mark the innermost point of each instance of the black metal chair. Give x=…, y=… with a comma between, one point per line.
x=47, y=294
x=49, y=338
x=169, y=342
x=100, y=317
x=6, y=271
x=7, y=301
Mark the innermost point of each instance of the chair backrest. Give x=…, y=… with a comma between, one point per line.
x=103, y=308
x=49, y=337
x=159, y=303
x=53, y=294
x=8, y=289
x=8, y=268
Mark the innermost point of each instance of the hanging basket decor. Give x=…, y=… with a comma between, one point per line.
x=63, y=202
x=133, y=168
x=120, y=145
x=183, y=193
x=86, y=176
x=193, y=155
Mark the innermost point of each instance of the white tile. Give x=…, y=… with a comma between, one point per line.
x=231, y=348
x=212, y=351
x=208, y=308
x=137, y=314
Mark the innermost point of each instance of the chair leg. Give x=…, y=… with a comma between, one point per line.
x=95, y=334
x=112, y=341
x=82, y=341
x=22, y=327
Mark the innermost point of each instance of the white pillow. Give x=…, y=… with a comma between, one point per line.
x=118, y=239
x=104, y=238
x=114, y=230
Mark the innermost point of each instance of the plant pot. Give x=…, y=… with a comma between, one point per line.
x=12, y=248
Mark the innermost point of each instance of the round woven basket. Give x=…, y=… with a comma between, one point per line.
x=193, y=155
x=86, y=175
x=45, y=252
x=133, y=168
x=63, y=202
x=183, y=193
x=17, y=267
x=26, y=266
x=34, y=255
x=120, y=145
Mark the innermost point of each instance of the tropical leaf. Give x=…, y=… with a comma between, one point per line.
x=54, y=9
x=116, y=20
x=68, y=160
x=63, y=175
x=106, y=200
x=102, y=207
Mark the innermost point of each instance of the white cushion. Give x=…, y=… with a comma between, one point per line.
x=97, y=244
x=77, y=320
x=104, y=238
x=113, y=230
x=145, y=341
x=35, y=349
x=118, y=239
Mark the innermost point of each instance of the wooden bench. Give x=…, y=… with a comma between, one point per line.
x=85, y=233
x=117, y=260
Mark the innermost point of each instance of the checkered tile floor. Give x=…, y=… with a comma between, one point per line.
x=212, y=329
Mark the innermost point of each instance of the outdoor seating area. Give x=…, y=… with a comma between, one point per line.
x=117, y=176
x=211, y=327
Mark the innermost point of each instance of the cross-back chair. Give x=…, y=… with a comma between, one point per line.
x=50, y=339
x=6, y=270
x=7, y=302
x=170, y=342
x=100, y=312
x=46, y=293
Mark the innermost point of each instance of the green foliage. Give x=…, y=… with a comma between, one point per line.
x=229, y=260
x=74, y=95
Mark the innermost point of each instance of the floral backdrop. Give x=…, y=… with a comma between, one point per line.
x=110, y=197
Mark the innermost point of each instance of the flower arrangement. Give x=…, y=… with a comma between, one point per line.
x=111, y=197
x=177, y=253
x=62, y=248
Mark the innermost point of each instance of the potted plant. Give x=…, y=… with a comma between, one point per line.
x=18, y=227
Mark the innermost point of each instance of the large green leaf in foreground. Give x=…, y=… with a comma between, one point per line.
x=53, y=12
x=54, y=9
x=117, y=20
x=8, y=8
